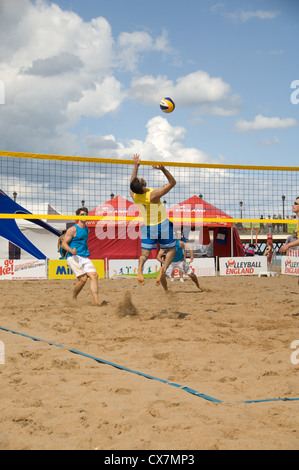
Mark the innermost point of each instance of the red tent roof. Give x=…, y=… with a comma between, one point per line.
x=116, y=207
x=198, y=210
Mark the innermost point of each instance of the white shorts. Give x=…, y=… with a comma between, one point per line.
x=80, y=265
x=182, y=266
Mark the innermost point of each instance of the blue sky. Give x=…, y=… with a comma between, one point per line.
x=86, y=77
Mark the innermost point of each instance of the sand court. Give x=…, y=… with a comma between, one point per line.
x=231, y=343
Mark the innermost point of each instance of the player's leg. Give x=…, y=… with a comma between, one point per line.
x=159, y=275
x=167, y=241
x=94, y=287
x=187, y=270
x=168, y=260
x=193, y=277
x=143, y=258
x=81, y=281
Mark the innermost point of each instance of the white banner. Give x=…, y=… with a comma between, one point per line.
x=127, y=269
x=247, y=266
x=201, y=267
x=290, y=265
x=11, y=269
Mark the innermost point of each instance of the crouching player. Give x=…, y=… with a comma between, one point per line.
x=179, y=263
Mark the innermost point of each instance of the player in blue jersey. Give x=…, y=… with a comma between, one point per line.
x=178, y=262
x=75, y=244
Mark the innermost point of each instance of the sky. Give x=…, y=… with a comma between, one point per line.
x=85, y=78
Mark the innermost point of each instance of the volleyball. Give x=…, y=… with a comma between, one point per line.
x=167, y=105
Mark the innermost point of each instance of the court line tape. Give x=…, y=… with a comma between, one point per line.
x=117, y=366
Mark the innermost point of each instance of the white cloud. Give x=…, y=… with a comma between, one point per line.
x=131, y=46
x=261, y=122
x=57, y=68
x=268, y=142
x=241, y=16
x=215, y=8
x=102, y=98
x=194, y=89
x=163, y=142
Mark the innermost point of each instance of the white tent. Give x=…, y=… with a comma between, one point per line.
x=44, y=240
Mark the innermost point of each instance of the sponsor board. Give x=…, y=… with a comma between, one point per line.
x=16, y=270
x=58, y=269
x=127, y=269
x=290, y=265
x=201, y=267
x=243, y=266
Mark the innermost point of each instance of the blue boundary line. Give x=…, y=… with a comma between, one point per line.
x=117, y=366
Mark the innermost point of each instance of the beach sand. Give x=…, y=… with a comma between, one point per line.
x=232, y=343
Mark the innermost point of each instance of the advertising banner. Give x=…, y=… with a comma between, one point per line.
x=247, y=266
x=11, y=269
x=58, y=269
x=201, y=267
x=127, y=269
x=290, y=263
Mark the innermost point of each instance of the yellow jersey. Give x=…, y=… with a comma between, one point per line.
x=153, y=214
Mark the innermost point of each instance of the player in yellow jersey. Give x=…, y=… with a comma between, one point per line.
x=157, y=227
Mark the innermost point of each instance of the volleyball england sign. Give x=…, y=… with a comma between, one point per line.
x=243, y=266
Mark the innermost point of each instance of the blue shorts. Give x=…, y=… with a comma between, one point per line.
x=162, y=233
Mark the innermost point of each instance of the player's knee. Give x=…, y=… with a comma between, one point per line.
x=94, y=276
x=83, y=279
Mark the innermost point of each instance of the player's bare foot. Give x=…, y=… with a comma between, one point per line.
x=164, y=282
x=140, y=278
x=158, y=280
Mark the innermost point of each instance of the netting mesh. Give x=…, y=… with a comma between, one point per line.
x=63, y=182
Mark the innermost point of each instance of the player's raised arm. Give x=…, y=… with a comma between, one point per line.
x=158, y=193
x=136, y=159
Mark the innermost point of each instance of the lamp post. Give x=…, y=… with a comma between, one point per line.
x=83, y=203
x=241, y=208
x=15, y=196
x=111, y=196
x=283, y=211
x=200, y=196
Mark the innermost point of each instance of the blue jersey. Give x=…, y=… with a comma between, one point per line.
x=79, y=241
x=179, y=253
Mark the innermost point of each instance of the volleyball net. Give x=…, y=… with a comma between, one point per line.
x=252, y=196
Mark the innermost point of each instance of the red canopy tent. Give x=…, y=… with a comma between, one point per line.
x=193, y=211
x=112, y=238
x=120, y=239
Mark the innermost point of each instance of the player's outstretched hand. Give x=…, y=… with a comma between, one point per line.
x=136, y=159
x=158, y=167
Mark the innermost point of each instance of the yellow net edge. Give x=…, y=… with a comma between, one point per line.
x=140, y=219
x=130, y=162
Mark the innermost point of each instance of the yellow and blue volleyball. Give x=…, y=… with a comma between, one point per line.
x=167, y=105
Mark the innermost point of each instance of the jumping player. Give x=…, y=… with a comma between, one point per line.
x=157, y=227
x=75, y=244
